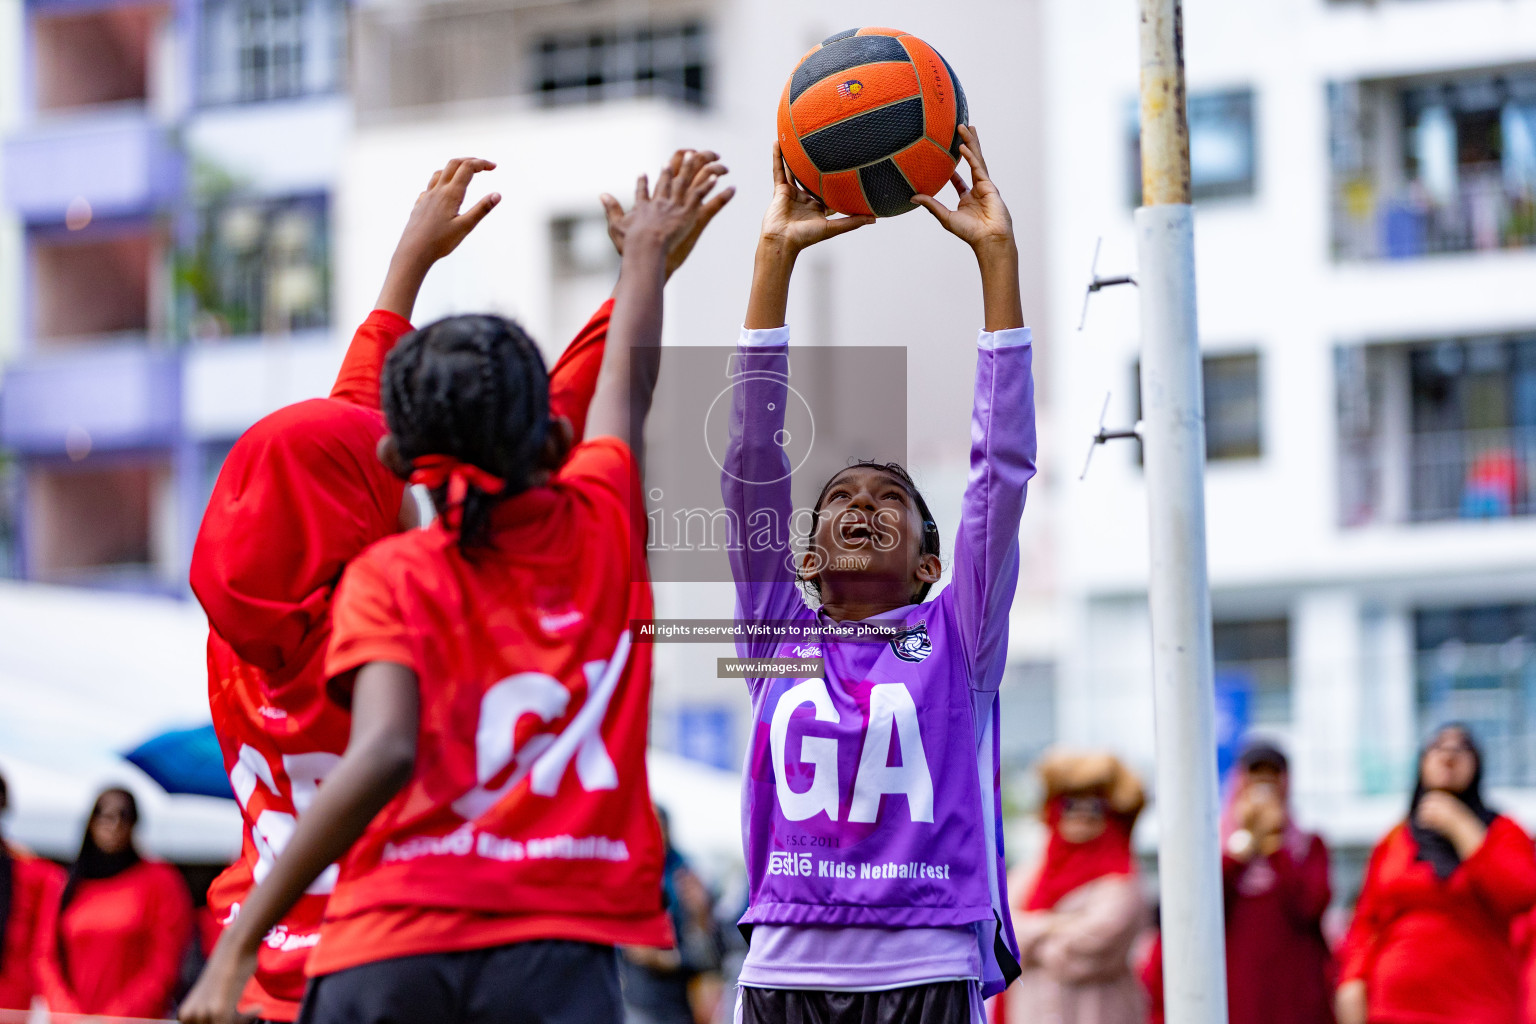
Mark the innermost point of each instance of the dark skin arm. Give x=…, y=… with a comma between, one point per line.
x=982, y=221
x=659, y=220
x=619, y=221
x=795, y=221
x=434, y=229
x=381, y=754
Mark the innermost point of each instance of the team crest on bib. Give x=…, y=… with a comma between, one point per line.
x=912, y=644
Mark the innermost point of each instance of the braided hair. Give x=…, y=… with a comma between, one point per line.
x=475, y=388
x=930, y=543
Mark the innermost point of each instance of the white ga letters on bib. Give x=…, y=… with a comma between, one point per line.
x=890, y=708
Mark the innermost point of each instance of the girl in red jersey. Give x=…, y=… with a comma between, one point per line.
x=301, y=494
x=29, y=890
x=1430, y=941
x=499, y=710
x=115, y=938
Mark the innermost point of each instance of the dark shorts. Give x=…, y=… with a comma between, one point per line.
x=543, y=982
x=939, y=1002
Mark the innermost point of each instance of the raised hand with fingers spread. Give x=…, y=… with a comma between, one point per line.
x=620, y=221
x=796, y=219
x=982, y=221
x=980, y=218
x=434, y=229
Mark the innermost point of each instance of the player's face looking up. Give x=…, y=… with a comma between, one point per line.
x=872, y=542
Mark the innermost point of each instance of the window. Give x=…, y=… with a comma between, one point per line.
x=261, y=266
x=1233, y=409
x=1473, y=418
x=99, y=522
x=254, y=50
x=1439, y=430
x=586, y=67
x=581, y=245
x=1477, y=665
x=1253, y=669
x=100, y=56
x=1439, y=165
x=1222, y=152
x=10, y=499
x=93, y=284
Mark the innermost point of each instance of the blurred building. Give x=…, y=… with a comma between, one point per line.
x=203, y=195
x=170, y=168
x=1365, y=183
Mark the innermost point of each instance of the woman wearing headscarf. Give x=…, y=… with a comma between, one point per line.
x=28, y=886
x=116, y=937
x=1276, y=886
x=1430, y=942
x=1084, y=909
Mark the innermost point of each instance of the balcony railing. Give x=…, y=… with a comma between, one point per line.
x=1440, y=475
x=1472, y=474
x=1486, y=211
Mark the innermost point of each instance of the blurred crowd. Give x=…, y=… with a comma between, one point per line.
x=1444, y=928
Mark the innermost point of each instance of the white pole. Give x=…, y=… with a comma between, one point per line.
x=1173, y=431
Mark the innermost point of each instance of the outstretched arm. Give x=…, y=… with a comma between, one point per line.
x=435, y=228
x=796, y=220
x=381, y=754
x=1003, y=445
x=632, y=359
x=574, y=377
x=755, y=482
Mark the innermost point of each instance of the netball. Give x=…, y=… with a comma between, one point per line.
x=869, y=118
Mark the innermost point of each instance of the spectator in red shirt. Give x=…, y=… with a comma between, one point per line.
x=1430, y=941
x=1275, y=879
x=28, y=885
x=1080, y=913
x=115, y=938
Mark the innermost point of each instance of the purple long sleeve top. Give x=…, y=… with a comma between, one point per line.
x=871, y=794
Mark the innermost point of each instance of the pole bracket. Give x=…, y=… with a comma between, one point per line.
x=1104, y=434
x=1097, y=284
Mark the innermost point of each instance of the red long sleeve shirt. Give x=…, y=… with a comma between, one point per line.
x=1279, y=969
x=35, y=888
x=1438, y=951
x=122, y=942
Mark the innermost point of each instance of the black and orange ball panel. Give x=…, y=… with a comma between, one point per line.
x=869, y=119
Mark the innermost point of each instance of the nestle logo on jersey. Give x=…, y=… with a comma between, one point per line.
x=780, y=863
x=555, y=623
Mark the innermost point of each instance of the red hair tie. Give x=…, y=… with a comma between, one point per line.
x=434, y=471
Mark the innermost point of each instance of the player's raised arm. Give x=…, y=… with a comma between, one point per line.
x=981, y=220
x=794, y=221
x=434, y=229
x=573, y=379
x=619, y=220
x=1003, y=450
x=632, y=361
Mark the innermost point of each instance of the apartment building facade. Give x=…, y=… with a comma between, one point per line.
x=1364, y=175
x=167, y=177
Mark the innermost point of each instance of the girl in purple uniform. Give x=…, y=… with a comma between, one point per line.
x=871, y=812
